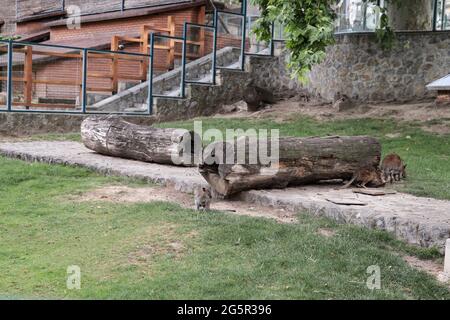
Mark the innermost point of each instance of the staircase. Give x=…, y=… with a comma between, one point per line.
x=202, y=96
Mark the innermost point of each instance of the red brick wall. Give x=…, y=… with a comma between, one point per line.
x=70, y=69
x=128, y=26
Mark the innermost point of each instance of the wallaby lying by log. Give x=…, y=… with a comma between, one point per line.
x=393, y=168
x=367, y=176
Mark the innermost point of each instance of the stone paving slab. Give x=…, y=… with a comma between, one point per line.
x=417, y=220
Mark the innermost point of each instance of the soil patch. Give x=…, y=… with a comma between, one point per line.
x=125, y=194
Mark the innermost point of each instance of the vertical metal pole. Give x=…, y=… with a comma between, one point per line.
x=9, y=77
x=435, y=14
x=84, y=81
x=244, y=27
x=272, y=44
x=63, y=5
x=122, y=7
x=443, y=16
x=214, y=63
x=150, y=78
x=183, y=60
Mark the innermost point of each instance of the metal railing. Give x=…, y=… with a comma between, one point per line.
x=80, y=58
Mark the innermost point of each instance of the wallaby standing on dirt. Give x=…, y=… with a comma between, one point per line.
x=202, y=198
x=393, y=168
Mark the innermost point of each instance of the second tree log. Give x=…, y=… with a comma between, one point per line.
x=301, y=161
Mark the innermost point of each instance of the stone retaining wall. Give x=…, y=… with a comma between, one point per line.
x=12, y=124
x=357, y=67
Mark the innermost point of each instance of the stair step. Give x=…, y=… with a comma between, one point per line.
x=137, y=108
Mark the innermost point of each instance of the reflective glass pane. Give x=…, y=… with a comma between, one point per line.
x=199, y=51
x=229, y=40
x=252, y=45
x=111, y=73
x=46, y=78
x=3, y=74
x=229, y=5
x=167, y=57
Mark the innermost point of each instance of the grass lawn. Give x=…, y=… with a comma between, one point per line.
x=160, y=250
x=427, y=155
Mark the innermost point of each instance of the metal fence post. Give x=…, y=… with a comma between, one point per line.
x=183, y=61
x=9, y=75
x=214, y=62
x=244, y=32
x=435, y=15
x=272, y=45
x=150, y=80
x=84, y=81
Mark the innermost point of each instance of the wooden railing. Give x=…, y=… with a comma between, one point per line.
x=35, y=55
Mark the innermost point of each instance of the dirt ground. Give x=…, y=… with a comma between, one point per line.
x=124, y=194
x=435, y=119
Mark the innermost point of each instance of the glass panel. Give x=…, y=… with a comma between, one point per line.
x=363, y=16
x=443, y=16
x=229, y=40
x=167, y=57
x=356, y=16
x=229, y=5
x=278, y=32
x=3, y=74
x=46, y=78
x=110, y=73
x=416, y=16
x=439, y=12
x=199, y=45
x=252, y=45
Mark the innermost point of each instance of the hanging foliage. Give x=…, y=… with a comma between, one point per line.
x=308, y=29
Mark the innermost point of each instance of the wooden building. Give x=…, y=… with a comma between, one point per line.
x=47, y=75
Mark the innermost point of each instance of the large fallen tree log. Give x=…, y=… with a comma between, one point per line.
x=301, y=161
x=115, y=137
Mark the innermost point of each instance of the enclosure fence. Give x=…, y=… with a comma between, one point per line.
x=49, y=78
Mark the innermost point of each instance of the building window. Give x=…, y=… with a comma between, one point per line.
x=357, y=16
x=416, y=15
x=443, y=15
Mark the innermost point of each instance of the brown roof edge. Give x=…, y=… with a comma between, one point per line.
x=32, y=37
x=131, y=13
x=42, y=16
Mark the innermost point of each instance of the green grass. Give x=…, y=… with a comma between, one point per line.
x=161, y=251
x=427, y=155
x=54, y=137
